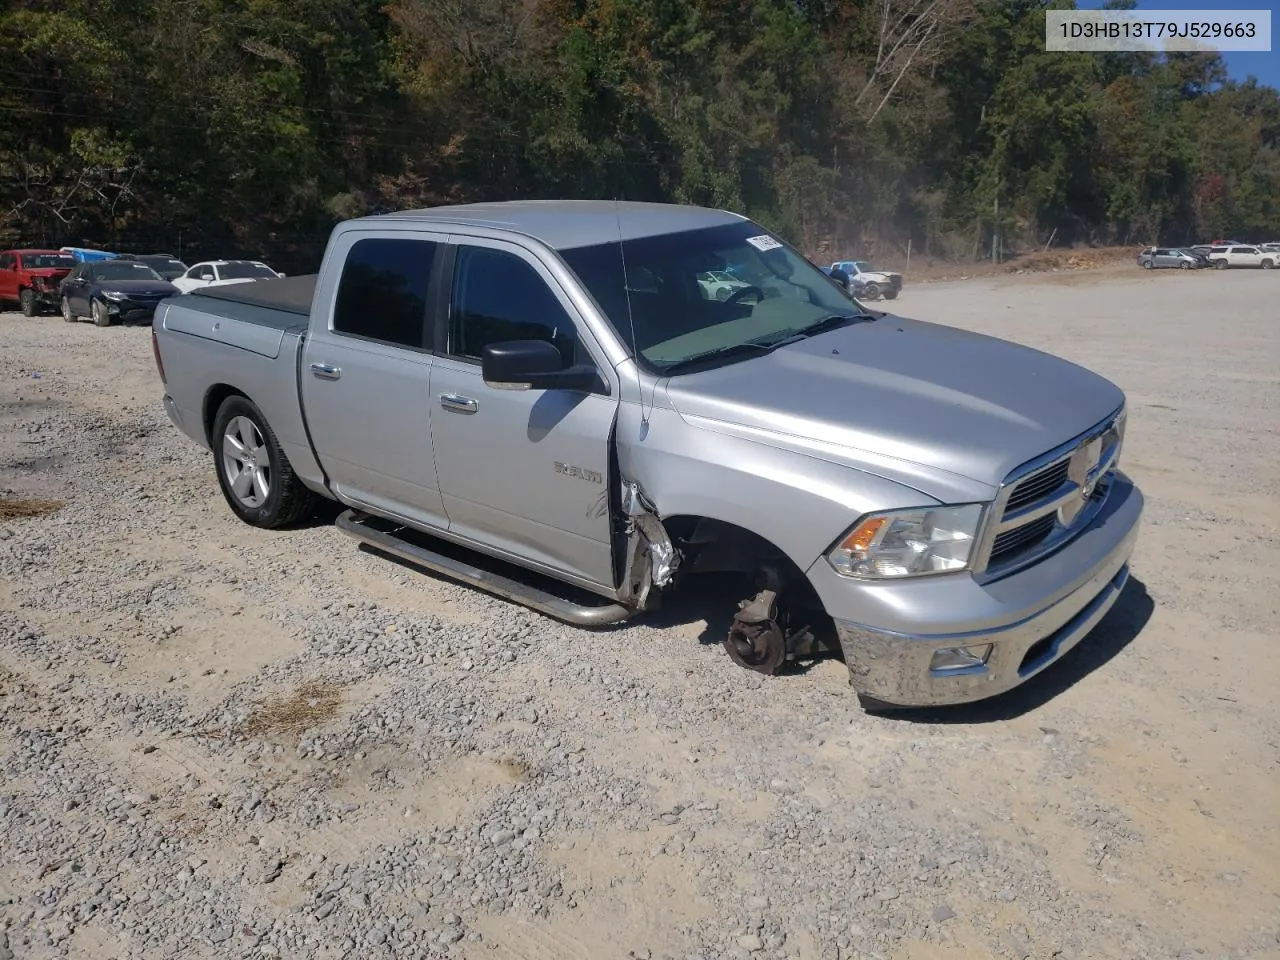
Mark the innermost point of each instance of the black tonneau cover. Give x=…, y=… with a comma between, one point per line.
x=288, y=294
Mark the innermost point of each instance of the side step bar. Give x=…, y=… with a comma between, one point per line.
x=359, y=525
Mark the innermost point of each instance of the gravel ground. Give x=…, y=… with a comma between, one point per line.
x=217, y=741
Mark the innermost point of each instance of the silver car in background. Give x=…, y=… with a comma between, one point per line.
x=1155, y=258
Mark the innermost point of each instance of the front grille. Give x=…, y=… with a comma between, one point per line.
x=1051, y=488
x=1012, y=542
x=1037, y=486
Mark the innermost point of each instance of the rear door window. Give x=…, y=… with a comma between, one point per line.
x=382, y=294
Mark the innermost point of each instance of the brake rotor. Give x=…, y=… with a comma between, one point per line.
x=758, y=645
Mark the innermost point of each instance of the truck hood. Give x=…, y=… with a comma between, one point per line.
x=915, y=402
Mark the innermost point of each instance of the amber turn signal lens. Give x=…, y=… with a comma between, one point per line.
x=859, y=540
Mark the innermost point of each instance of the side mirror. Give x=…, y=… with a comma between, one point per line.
x=533, y=365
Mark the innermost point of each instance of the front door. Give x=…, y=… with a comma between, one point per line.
x=8, y=277
x=78, y=289
x=525, y=472
x=366, y=376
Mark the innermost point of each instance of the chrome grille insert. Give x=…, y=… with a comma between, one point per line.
x=1039, y=485
x=1020, y=538
x=1049, y=500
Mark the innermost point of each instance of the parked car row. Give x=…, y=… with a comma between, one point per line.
x=109, y=287
x=1220, y=256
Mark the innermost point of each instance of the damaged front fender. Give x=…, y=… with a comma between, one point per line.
x=652, y=559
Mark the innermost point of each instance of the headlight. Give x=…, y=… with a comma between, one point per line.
x=908, y=543
x=115, y=295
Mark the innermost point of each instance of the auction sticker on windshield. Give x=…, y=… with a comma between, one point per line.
x=764, y=242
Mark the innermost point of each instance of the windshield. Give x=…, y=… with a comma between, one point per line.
x=772, y=292
x=124, y=270
x=47, y=261
x=244, y=271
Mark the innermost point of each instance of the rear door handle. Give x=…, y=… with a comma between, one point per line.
x=457, y=403
x=326, y=371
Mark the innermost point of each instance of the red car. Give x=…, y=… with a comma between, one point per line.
x=30, y=278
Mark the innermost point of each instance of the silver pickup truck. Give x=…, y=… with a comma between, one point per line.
x=548, y=385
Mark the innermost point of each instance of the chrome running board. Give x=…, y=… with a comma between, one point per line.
x=361, y=526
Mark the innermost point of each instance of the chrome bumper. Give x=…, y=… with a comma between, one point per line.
x=896, y=667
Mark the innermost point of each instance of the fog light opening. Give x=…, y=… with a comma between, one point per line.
x=958, y=659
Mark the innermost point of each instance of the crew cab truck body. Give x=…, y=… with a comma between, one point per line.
x=548, y=384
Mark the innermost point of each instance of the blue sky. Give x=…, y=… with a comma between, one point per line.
x=1264, y=66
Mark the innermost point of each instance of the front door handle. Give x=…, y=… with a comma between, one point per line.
x=457, y=403
x=326, y=371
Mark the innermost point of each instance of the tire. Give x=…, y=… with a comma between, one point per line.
x=27, y=300
x=67, y=313
x=269, y=494
x=1220, y=264
x=871, y=290
x=98, y=311
x=1147, y=265
x=891, y=294
x=1267, y=264
x=1184, y=265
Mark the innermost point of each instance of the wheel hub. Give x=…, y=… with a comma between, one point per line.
x=755, y=640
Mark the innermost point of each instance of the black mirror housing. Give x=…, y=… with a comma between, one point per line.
x=533, y=365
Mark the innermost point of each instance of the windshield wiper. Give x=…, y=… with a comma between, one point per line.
x=734, y=351
x=761, y=347
x=831, y=323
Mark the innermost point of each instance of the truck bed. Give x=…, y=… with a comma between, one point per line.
x=242, y=338
x=288, y=296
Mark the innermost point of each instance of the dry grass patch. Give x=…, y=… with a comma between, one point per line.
x=313, y=703
x=20, y=509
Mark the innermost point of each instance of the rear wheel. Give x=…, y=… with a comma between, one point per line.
x=67, y=313
x=255, y=475
x=27, y=300
x=98, y=310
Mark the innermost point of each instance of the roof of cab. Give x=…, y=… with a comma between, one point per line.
x=565, y=224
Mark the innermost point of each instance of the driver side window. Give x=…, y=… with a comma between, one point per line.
x=498, y=296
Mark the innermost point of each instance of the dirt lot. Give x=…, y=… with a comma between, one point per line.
x=221, y=742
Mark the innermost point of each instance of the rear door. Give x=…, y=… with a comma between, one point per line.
x=366, y=374
x=524, y=472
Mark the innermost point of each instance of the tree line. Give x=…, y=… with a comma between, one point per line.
x=852, y=127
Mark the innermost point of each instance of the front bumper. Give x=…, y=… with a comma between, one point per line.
x=1030, y=618
x=133, y=311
